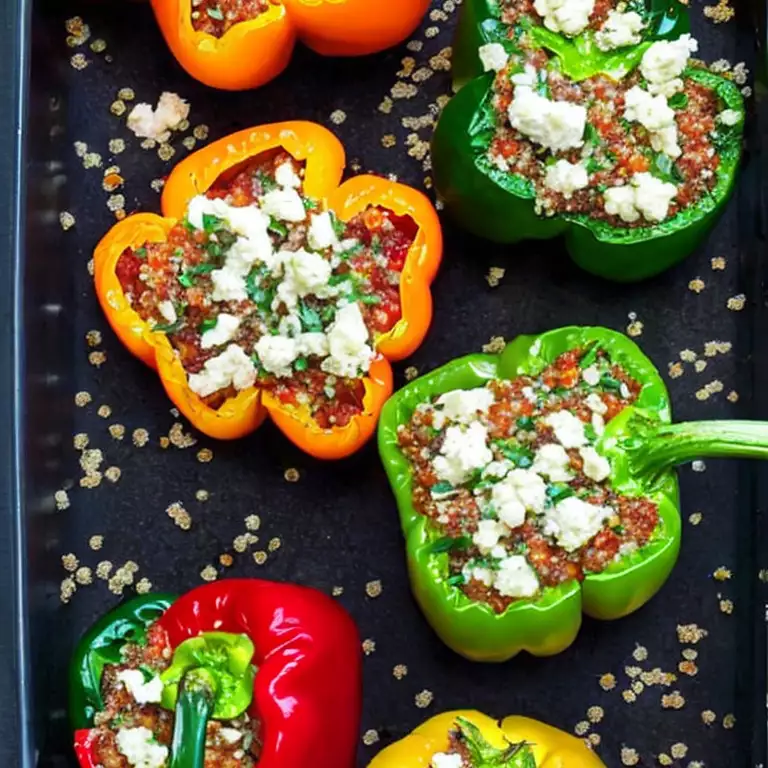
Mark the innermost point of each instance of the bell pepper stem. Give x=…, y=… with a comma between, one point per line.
x=194, y=708
x=671, y=444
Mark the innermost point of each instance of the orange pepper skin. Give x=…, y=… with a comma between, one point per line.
x=323, y=156
x=252, y=53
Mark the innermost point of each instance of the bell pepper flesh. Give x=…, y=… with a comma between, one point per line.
x=307, y=689
x=499, y=206
x=323, y=156
x=642, y=460
x=253, y=52
x=551, y=747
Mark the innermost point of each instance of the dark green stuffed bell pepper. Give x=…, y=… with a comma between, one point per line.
x=538, y=484
x=675, y=152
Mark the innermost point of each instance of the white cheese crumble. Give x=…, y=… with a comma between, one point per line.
x=729, y=117
x=144, y=692
x=249, y=221
x=665, y=60
x=304, y=273
x=596, y=467
x=285, y=176
x=654, y=114
x=168, y=311
x=231, y=367
x=568, y=429
x=557, y=125
x=483, y=575
x=140, y=748
x=231, y=735
x=566, y=178
x=444, y=760
x=497, y=469
x=526, y=487
x=571, y=17
x=619, y=30
x=595, y=403
x=464, y=450
x=553, y=461
x=574, y=522
x=349, y=352
x=598, y=423
x=284, y=204
x=321, y=233
x=487, y=535
x=493, y=57
x=463, y=405
x=276, y=354
x=591, y=376
x=224, y=330
x=645, y=195
x=516, y=577
x=157, y=124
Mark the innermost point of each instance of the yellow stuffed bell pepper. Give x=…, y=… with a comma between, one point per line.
x=470, y=739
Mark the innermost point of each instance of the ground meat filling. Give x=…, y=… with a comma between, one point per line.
x=215, y=17
x=229, y=744
x=259, y=286
x=508, y=473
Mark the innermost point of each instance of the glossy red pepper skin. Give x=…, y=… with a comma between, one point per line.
x=307, y=692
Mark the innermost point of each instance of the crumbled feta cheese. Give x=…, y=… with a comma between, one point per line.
x=553, y=462
x=463, y=405
x=444, y=760
x=249, y=221
x=225, y=328
x=595, y=403
x=475, y=573
x=574, y=522
x=493, y=57
x=654, y=114
x=598, y=423
x=168, y=311
x=487, y=535
x=516, y=577
x=497, y=469
x=149, y=692
x=620, y=201
x=321, y=233
x=665, y=60
x=157, y=124
x=591, y=375
x=619, y=30
x=557, y=125
x=312, y=344
x=231, y=367
x=729, y=117
x=509, y=508
x=596, y=467
x=568, y=429
x=529, y=394
x=566, y=178
x=228, y=285
x=285, y=176
x=464, y=450
x=571, y=17
x=527, y=78
x=140, y=748
x=276, y=354
x=232, y=735
x=349, y=352
x=284, y=204
x=645, y=195
x=304, y=273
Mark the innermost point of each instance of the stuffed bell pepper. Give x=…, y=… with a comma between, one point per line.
x=596, y=125
x=239, y=44
x=538, y=484
x=470, y=739
x=238, y=673
x=267, y=288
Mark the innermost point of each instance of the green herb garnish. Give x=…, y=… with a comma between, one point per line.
x=339, y=227
x=448, y=543
x=300, y=364
x=525, y=423
x=215, y=13
x=141, y=252
x=268, y=184
x=277, y=227
x=212, y=223
x=441, y=487
x=310, y=318
x=208, y=324
x=678, y=101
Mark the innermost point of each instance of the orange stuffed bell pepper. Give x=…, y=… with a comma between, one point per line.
x=469, y=739
x=239, y=44
x=267, y=288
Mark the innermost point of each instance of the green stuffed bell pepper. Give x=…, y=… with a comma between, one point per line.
x=538, y=484
x=629, y=153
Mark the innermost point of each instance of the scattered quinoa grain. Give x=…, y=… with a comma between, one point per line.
x=188, y=142
x=695, y=518
x=722, y=573
x=690, y=634
x=148, y=144
x=204, y=455
x=179, y=438
x=200, y=132
x=494, y=276
x=165, y=152
x=607, y=681
x=688, y=668
x=80, y=441
x=79, y=61
x=240, y=543
x=495, y=346
x=61, y=498
x=699, y=365
x=291, y=475
x=637, y=687
x=126, y=94
x=664, y=759
x=66, y=220
x=104, y=411
x=581, y=728
x=67, y=589
x=143, y=586
x=629, y=756
x=720, y=13
x=729, y=721
x=337, y=591
x=635, y=328
x=97, y=359
x=226, y=560
x=260, y=557
x=732, y=396
x=84, y=575
x=708, y=717
x=338, y=116
x=696, y=285
x=632, y=672
x=674, y=700
x=594, y=739
x=96, y=542
x=736, y=303
x=253, y=522
x=640, y=653
x=370, y=737
x=112, y=474
x=103, y=569
x=629, y=696
x=718, y=262
x=678, y=750
x=369, y=646
x=388, y=141
x=179, y=515
x=164, y=441
x=99, y=45
x=117, y=431
x=202, y=495
x=70, y=562
x=399, y=671
x=726, y=606
x=424, y=698
x=118, y=107
x=274, y=544
x=411, y=372
x=595, y=714
x=157, y=184
x=140, y=437
x=209, y=573
x=373, y=588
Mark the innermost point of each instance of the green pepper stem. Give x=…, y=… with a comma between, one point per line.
x=673, y=444
x=194, y=708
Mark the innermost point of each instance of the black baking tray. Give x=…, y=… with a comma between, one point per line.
x=338, y=525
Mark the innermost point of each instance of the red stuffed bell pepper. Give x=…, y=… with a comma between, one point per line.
x=270, y=289
x=239, y=44
x=238, y=673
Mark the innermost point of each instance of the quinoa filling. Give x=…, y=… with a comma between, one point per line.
x=215, y=17
x=632, y=152
x=259, y=286
x=134, y=730
x=509, y=475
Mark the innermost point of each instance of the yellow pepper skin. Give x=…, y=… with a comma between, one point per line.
x=551, y=747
